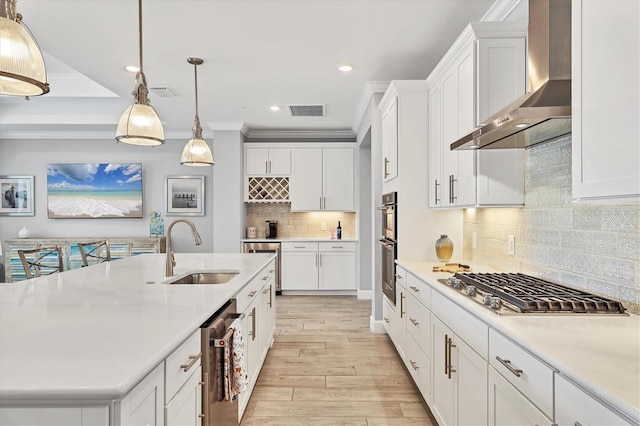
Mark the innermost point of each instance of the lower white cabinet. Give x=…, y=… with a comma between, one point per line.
x=574, y=406
x=144, y=405
x=509, y=407
x=459, y=379
x=185, y=409
x=54, y=416
x=319, y=265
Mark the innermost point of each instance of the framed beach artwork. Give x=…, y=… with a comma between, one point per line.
x=94, y=190
x=17, y=193
x=184, y=195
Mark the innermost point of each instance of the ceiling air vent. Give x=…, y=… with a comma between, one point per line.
x=307, y=110
x=162, y=92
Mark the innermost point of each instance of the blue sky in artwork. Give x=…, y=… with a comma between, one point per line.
x=95, y=177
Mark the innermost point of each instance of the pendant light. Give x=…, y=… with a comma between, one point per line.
x=22, y=70
x=140, y=124
x=196, y=152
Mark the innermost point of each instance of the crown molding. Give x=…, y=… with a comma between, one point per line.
x=307, y=135
x=87, y=135
x=370, y=88
x=500, y=10
x=231, y=125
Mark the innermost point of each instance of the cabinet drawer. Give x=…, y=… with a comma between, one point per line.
x=250, y=292
x=187, y=354
x=337, y=246
x=401, y=276
x=527, y=373
x=419, y=289
x=301, y=246
x=419, y=323
x=469, y=328
x=419, y=367
x=387, y=315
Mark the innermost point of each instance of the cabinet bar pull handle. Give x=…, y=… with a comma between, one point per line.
x=320, y=203
x=337, y=247
x=414, y=322
x=316, y=259
x=436, y=197
x=414, y=364
x=205, y=397
x=414, y=288
x=193, y=358
x=446, y=354
x=577, y=424
x=296, y=247
x=265, y=291
x=252, y=333
x=401, y=305
x=319, y=259
x=398, y=276
x=507, y=363
x=386, y=164
x=324, y=203
x=386, y=319
x=253, y=293
x=266, y=277
x=270, y=295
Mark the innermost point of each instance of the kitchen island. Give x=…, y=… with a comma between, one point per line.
x=92, y=334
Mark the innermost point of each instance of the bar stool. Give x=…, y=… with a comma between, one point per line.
x=42, y=260
x=96, y=251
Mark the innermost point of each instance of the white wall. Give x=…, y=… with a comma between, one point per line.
x=229, y=213
x=30, y=157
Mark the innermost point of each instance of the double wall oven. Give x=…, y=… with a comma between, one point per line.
x=388, y=241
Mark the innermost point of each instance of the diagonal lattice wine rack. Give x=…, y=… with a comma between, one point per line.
x=271, y=189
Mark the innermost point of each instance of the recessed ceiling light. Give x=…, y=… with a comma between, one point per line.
x=345, y=68
x=274, y=108
x=131, y=68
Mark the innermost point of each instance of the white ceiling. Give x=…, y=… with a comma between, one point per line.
x=257, y=53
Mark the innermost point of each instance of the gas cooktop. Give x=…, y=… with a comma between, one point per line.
x=514, y=293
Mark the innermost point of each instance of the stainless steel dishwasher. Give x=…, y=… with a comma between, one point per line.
x=266, y=247
x=214, y=337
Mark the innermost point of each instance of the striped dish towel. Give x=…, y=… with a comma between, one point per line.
x=235, y=370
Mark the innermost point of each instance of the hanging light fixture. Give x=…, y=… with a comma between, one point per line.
x=140, y=124
x=22, y=70
x=196, y=152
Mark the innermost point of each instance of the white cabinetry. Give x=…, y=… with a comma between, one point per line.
x=576, y=407
x=482, y=72
x=267, y=161
x=144, y=405
x=418, y=324
x=319, y=266
x=54, y=416
x=508, y=407
x=390, y=140
x=605, y=156
x=322, y=179
x=183, y=390
x=459, y=342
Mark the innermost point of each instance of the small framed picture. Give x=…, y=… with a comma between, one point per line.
x=184, y=195
x=18, y=195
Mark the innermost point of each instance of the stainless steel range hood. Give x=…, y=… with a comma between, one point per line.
x=545, y=111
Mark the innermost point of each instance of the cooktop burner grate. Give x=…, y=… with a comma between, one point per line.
x=529, y=294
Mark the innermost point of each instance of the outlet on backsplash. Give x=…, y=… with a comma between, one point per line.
x=299, y=224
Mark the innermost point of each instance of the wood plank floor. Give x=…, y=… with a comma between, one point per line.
x=327, y=368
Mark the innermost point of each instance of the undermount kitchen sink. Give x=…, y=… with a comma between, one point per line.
x=205, y=278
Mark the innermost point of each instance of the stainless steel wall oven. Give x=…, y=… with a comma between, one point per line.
x=388, y=241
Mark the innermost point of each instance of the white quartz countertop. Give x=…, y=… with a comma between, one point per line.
x=93, y=333
x=599, y=352
x=284, y=240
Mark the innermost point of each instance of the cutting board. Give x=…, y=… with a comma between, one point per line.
x=451, y=267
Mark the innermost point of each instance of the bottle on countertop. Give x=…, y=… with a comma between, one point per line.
x=339, y=231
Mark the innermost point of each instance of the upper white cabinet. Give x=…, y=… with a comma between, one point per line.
x=268, y=161
x=482, y=72
x=322, y=179
x=390, y=140
x=605, y=104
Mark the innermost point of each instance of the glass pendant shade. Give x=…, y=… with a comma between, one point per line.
x=140, y=125
x=197, y=153
x=22, y=70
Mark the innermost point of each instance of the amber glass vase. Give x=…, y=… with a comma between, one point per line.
x=444, y=248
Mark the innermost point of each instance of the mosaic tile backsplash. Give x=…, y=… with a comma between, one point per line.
x=595, y=247
x=299, y=224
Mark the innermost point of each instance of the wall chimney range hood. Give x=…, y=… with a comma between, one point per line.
x=544, y=112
